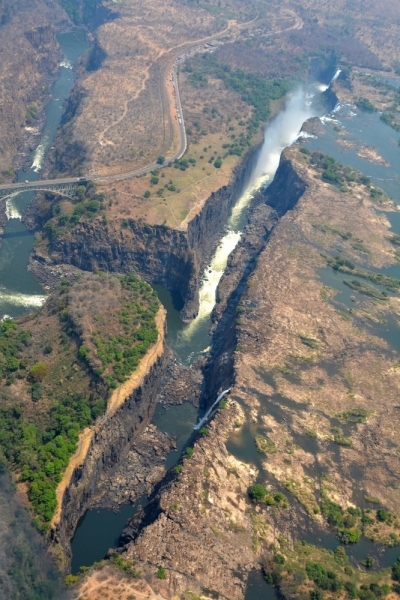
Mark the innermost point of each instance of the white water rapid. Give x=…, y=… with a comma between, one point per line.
x=280, y=133
x=210, y=410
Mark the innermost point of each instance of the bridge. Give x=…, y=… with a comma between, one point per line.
x=63, y=187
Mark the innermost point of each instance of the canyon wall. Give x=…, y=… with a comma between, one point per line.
x=28, y=29
x=173, y=258
x=268, y=206
x=129, y=411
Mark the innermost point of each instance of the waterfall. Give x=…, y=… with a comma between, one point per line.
x=208, y=413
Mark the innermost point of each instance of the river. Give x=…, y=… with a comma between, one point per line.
x=19, y=290
x=192, y=340
x=99, y=530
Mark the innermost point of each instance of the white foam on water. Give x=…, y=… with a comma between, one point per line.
x=12, y=211
x=38, y=156
x=304, y=134
x=336, y=75
x=280, y=133
x=17, y=299
x=65, y=63
x=326, y=119
x=210, y=410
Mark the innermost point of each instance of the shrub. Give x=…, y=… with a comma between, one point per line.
x=218, y=163
x=349, y=536
x=351, y=589
x=189, y=452
x=396, y=570
x=161, y=573
x=280, y=559
x=204, y=431
x=125, y=566
x=365, y=104
x=332, y=511
x=257, y=492
x=178, y=469
x=38, y=371
x=368, y=562
x=154, y=180
x=36, y=391
x=147, y=194
x=326, y=580
x=340, y=556
x=382, y=515
x=161, y=160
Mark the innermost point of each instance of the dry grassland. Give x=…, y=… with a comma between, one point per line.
x=372, y=22
x=348, y=364
x=175, y=207
x=124, y=99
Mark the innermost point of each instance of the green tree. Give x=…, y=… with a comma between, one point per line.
x=161, y=160
x=38, y=371
x=257, y=492
x=161, y=573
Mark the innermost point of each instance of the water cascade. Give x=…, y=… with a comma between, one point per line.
x=210, y=410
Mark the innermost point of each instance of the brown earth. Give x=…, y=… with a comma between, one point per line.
x=300, y=362
x=29, y=57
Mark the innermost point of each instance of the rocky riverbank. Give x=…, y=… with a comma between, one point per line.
x=299, y=364
x=173, y=258
x=100, y=448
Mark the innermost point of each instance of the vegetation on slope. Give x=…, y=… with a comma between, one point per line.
x=312, y=573
x=254, y=89
x=88, y=337
x=79, y=12
x=26, y=571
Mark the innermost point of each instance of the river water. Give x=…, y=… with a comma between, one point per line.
x=19, y=290
x=192, y=340
x=97, y=531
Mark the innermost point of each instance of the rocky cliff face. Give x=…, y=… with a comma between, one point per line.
x=109, y=445
x=29, y=56
x=268, y=206
x=286, y=188
x=173, y=258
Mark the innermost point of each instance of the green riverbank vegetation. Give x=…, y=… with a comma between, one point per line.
x=58, y=367
x=310, y=573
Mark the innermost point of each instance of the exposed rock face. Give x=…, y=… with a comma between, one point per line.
x=194, y=526
x=3, y=220
x=226, y=313
x=286, y=188
x=138, y=472
x=109, y=446
x=29, y=57
x=173, y=258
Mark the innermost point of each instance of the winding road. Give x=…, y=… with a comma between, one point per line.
x=13, y=188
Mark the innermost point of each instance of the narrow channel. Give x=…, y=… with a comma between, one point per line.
x=20, y=292
x=189, y=341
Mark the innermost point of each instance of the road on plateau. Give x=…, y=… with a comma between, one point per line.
x=182, y=132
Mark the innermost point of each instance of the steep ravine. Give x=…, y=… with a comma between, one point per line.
x=162, y=534
x=268, y=206
x=129, y=411
x=173, y=258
